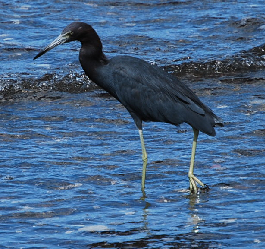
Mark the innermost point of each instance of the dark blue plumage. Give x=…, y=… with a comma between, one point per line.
x=151, y=94
x=147, y=91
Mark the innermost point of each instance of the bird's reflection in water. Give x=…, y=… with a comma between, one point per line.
x=195, y=220
x=145, y=216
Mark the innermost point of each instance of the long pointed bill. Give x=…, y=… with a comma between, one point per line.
x=62, y=38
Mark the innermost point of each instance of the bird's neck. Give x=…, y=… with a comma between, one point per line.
x=91, y=58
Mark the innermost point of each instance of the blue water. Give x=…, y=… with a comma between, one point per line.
x=70, y=166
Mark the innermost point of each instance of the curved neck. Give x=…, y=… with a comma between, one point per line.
x=91, y=57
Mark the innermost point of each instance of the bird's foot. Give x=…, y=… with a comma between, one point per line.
x=193, y=184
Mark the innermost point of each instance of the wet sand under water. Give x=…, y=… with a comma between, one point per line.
x=71, y=172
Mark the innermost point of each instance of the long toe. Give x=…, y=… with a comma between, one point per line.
x=193, y=184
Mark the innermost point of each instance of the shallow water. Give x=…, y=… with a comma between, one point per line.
x=71, y=163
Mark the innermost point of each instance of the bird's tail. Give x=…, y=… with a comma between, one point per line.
x=218, y=121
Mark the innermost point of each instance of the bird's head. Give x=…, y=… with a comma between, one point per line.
x=76, y=31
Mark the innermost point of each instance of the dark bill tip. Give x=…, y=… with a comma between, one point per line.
x=39, y=54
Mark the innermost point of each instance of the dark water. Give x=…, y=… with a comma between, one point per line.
x=70, y=161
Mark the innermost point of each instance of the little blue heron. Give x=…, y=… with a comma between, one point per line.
x=146, y=91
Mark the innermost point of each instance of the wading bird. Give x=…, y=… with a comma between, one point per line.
x=146, y=91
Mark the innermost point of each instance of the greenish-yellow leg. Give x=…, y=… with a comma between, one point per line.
x=192, y=178
x=144, y=156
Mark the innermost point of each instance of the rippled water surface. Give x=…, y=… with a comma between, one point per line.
x=70, y=162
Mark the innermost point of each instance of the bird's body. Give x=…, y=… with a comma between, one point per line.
x=151, y=94
x=146, y=91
